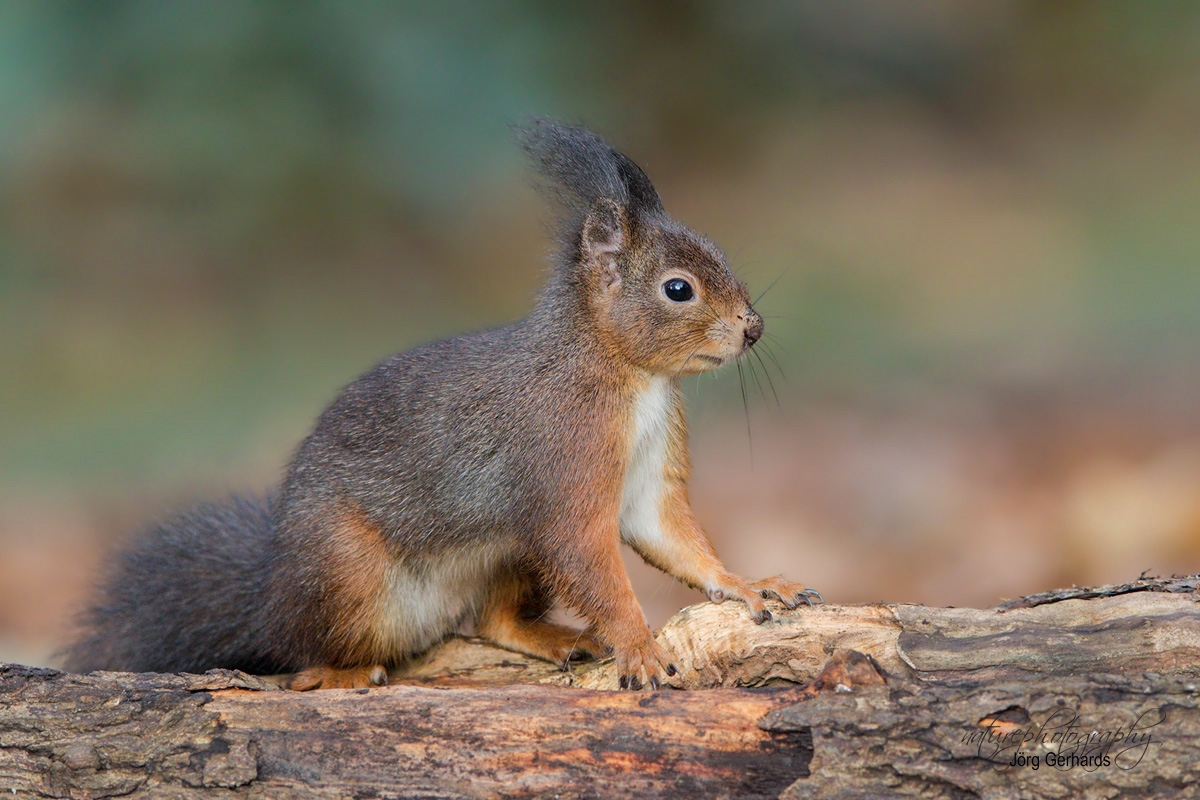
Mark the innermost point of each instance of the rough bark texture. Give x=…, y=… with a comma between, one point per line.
x=930, y=741
x=937, y=708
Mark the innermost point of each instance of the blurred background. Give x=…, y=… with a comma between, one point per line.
x=978, y=223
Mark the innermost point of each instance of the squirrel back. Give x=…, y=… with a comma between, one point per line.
x=485, y=476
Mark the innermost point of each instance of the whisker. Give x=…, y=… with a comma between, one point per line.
x=770, y=286
x=767, y=375
x=766, y=348
x=746, y=408
x=689, y=358
x=754, y=374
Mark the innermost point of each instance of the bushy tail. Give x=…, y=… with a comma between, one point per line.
x=187, y=596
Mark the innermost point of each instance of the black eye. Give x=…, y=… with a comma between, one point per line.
x=678, y=290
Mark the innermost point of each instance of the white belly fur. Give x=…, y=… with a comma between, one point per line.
x=419, y=607
x=648, y=439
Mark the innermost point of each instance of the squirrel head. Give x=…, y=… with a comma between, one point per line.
x=655, y=292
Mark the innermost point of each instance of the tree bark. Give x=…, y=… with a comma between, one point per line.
x=937, y=707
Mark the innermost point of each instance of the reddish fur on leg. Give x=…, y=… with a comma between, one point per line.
x=505, y=621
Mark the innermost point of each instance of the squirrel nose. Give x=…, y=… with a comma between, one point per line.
x=754, y=329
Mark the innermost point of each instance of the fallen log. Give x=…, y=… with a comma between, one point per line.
x=836, y=701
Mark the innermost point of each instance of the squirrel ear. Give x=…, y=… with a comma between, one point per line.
x=603, y=230
x=600, y=239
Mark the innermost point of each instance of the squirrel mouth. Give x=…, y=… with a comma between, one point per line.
x=711, y=359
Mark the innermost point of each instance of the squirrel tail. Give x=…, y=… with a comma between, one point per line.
x=188, y=596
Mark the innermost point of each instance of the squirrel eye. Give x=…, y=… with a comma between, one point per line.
x=678, y=290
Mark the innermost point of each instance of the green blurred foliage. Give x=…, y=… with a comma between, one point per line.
x=213, y=214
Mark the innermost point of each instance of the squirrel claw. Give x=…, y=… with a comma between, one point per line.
x=642, y=666
x=808, y=595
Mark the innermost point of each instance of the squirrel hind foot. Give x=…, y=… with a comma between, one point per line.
x=557, y=644
x=327, y=677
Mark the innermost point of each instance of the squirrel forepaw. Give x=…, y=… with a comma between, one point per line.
x=753, y=593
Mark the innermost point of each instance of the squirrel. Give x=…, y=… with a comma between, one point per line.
x=485, y=476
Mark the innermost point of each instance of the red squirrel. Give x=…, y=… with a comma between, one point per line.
x=483, y=477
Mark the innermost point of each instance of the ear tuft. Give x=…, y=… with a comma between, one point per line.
x=578, y=168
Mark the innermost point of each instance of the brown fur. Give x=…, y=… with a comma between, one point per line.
x=584, y=545
x=335, y=678
x=512, y=618
x=354, y=566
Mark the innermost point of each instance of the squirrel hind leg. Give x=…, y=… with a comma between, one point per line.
x=558, y=644
x=511, y=618
x=327, y=677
